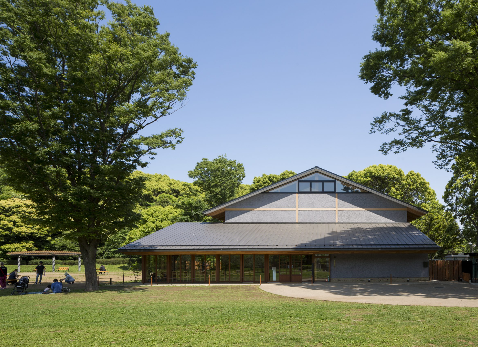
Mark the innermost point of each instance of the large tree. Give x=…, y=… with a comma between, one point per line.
x=219, y=178
x=413, y=189
x=76, y=91
x=430, y=49
x=267, y=179
x=461, y=196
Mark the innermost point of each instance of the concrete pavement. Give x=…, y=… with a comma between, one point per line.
x=432, y=293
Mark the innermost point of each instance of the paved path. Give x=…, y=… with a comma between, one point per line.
x=417, y=293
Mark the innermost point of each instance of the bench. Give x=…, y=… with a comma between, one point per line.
x=63, y=268
x=100, y=272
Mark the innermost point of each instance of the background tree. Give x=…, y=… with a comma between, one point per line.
x=219, y=178
x=439, y=225
x=75, y=94
x=429, y=48
x=165, y=201
x=461, y=196
x=266, y=180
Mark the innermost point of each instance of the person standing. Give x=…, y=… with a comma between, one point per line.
x=40, y=269
x=3, y=276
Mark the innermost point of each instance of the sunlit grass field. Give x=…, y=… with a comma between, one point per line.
x=239, y=315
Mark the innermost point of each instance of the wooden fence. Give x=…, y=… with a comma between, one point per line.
x=445, y=270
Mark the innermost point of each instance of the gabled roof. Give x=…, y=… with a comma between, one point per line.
x=413, y=212
x=317, y=237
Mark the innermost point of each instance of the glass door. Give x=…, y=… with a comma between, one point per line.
x=296, y=268
x=284, y=269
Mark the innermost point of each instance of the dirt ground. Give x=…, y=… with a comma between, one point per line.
x=114, y=278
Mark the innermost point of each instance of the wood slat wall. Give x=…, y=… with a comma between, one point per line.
x=445, y=270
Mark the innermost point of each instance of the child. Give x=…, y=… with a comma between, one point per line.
x=47, y=289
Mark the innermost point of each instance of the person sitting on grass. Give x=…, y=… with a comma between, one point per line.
x=12, y=277
x=47, y=290
x=69, y=278
x=102, y=268
x=56, y=286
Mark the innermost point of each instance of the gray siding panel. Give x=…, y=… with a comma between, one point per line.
x=365, y=200
x=260, y=216
x=378, y=265
x=316, y=216
x=372, y=216
x=317, y=201
x=267, y=200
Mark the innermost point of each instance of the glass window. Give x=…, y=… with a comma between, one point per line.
x=259, y=270
x=322, y=269
x=224, y=269
x=315, y=177
x=290, y=188
x=329, y=186
x=185, y=268
x=304, y=186
x=235, y=268
x=341, y=188
x=248, y=268
x=273, y=268
x=199, y=269
x=316, y=186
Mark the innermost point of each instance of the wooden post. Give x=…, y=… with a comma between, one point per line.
x=218, y=267
x=260, y=279
x=209, y=279
x=151, y=280
x=123, y=277
x=111, y=281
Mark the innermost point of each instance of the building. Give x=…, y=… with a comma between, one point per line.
x=313, y=226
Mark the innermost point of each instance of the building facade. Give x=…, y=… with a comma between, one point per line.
x=314, y=226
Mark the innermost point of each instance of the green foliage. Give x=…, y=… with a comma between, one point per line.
x=429, y=48
x=164, y=201
x=461, y=196
x=17, y=232
x=219, y=178
x=266, y=180
x=75, y=94
x=225, y=316
x=413, y=189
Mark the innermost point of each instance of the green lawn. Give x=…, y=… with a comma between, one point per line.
x=223, y=316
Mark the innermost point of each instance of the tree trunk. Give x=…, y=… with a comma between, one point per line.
x=88, y=249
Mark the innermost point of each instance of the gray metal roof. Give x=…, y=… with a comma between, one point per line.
x=316, y=169
x=320, y=236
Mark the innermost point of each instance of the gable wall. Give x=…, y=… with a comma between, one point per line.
x=316, y=208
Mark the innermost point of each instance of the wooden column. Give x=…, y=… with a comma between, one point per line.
x=241, y=261
x=143, y=269
x=266, y=269
x=193, y=268
x=156, y=267
x=168, y=268
x=218, y=269
x=313, y=268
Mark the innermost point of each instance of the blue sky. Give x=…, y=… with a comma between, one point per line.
x=277, y=89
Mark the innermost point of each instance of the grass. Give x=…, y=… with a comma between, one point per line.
x=223, y=316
